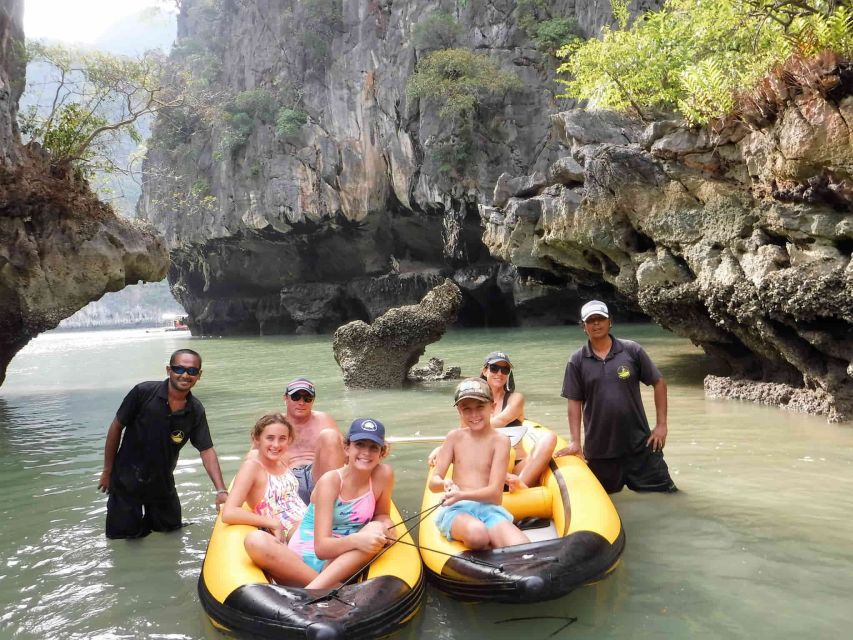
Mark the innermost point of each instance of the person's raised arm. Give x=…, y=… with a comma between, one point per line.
x=211, y=465
x=657, y=439
x=514, y=410
x=110, y=449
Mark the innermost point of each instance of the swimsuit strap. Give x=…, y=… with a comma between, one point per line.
x=506, y=399
x=362, y=496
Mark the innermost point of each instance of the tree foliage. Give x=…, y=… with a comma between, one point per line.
x=693, y=55
x=88, y=101
x=289, y=121
x=439, y=30
x=549, y=32
x=458, y=80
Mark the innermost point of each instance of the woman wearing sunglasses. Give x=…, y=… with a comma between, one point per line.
x=508, y=411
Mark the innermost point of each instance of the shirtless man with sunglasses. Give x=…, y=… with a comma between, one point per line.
x=157, y=419
x=317, y=445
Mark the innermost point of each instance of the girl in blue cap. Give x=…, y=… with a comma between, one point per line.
x=348, y=522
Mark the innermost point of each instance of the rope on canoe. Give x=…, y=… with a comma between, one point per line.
x=333, y=594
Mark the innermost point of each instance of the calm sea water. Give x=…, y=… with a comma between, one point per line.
x=759, y=542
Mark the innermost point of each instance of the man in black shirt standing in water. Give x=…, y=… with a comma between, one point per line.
x=602, y=380
x=158, y=419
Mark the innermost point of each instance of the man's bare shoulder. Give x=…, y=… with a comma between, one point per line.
x=323, y=420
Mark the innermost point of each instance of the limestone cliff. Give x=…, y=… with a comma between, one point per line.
x=373, y=200
x=60, y=248
x=739, y=239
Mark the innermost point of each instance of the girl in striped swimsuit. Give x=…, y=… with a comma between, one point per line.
x=347, y=522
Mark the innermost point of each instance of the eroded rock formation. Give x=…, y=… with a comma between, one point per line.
x=434, y=371
x=380, y=355
x=738, y=239
x=60, y=248
x=373, y=200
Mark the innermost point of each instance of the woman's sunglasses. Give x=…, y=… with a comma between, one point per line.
x=179, y=370
x=296, y=397
x=496, y=368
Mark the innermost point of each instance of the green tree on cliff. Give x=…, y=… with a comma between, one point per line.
x=693, y=56
x=88, y=101
x=458, y=80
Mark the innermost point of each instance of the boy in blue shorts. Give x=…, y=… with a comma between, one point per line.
x=471, y=511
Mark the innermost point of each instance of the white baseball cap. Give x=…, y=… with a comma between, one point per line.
x=594, y=308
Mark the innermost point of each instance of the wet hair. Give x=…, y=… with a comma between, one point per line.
x=186, y=351
x=268, y=419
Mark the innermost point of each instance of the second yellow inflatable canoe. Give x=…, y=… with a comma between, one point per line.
x=577, y=538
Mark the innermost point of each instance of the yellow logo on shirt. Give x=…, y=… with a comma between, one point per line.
x=177, y=436
x=623, y=372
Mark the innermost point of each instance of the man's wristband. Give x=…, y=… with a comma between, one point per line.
x=218, y=491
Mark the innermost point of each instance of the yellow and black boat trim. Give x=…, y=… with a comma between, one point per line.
x=238, y=597
x=576, y=538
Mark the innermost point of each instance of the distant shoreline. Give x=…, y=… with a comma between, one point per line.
x=111, y=327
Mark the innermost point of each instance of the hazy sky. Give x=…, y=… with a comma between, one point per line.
x=76, y=20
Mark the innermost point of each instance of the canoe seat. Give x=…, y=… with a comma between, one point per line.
x=533, y=502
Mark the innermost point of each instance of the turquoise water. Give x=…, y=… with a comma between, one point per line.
x=758, y=543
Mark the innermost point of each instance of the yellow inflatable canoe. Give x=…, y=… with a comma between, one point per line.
x=576, y=538
x=239, y=599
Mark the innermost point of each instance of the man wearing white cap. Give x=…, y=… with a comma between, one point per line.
x=317, y=445
x=602, y=383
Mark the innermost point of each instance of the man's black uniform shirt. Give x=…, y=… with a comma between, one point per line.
x=614, y=419
x=153, y=437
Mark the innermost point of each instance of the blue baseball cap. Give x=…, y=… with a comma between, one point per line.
x=367, y=429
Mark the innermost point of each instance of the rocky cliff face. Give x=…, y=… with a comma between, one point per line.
x=740, y=240
x=60, y=248
x=372, y=201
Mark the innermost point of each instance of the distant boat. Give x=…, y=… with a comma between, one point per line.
x=179, y=324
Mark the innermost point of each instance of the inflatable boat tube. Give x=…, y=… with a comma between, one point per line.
x=238, y=597
x=576, y=538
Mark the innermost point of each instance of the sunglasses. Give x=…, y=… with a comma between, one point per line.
x=179, y=370
x=496, y=368
x=296, y=397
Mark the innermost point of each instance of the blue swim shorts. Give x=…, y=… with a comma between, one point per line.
x=306, y=481
x=488, y=514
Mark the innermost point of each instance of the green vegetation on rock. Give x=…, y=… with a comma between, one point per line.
x=94, y=99
x=439, y=30
x=289, y=121
x=694, y=56
x=549, y=32
x=458, y=80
